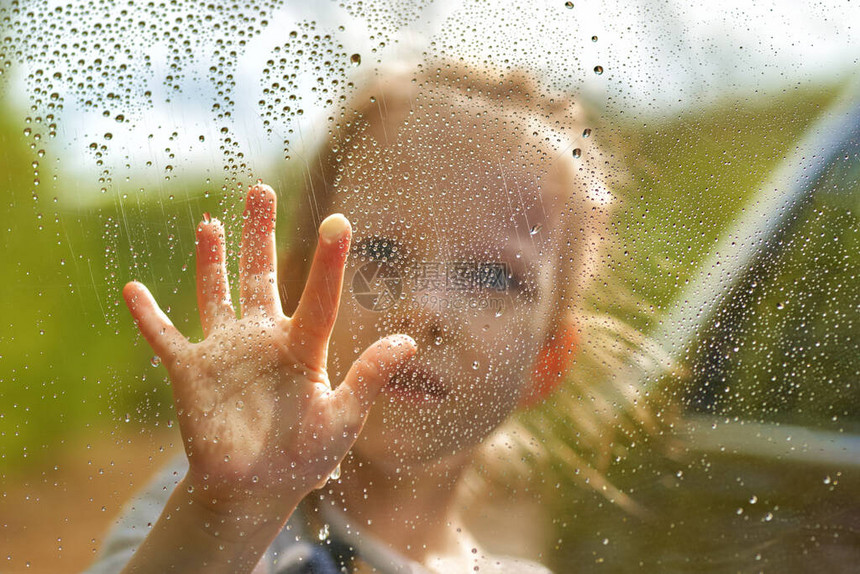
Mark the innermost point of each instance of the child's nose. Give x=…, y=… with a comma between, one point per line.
x=423, y=319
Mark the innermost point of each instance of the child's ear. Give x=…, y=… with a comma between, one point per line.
x=554, y=359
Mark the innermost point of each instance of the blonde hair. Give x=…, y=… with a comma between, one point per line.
x=510, y=102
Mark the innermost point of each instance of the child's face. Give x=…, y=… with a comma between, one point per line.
x=437, y=210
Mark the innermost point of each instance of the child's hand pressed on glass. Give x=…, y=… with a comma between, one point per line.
x=259, y=419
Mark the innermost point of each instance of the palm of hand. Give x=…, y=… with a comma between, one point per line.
x=244, y=404
x=254, y=404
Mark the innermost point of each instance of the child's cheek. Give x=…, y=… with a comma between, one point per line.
x=512, y=346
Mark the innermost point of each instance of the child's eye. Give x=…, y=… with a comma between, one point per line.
x=496, y=276
x=514, y=282
x=503, y=277
x=500, y=277
x=519, y=282
x=380, y=249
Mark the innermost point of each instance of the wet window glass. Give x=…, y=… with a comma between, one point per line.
x=439, y=286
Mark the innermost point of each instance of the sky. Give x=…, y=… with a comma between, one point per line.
x=655, y=58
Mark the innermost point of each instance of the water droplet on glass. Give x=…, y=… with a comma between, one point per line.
x=475, y=365
x=594, y=38
x=240, y=405
x=568, y=5
x=323, y=533
x=535, y=229
x=335, y=474
x=577, y=153
x=155, y=360
x=206, y=217
x=355, y=59
x=598, y=70
x=586, y=132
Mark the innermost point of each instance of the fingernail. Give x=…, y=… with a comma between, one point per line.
x=401, y=339
x=261, y=187
x=333, y=228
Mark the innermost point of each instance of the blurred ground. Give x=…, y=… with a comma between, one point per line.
x=55, y=516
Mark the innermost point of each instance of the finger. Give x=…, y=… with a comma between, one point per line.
x=156, y=328
x=372, y=371
x=257, y=270
x=317, y=309
x=213, y=288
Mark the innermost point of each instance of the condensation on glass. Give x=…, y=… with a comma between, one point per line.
x=657, y=199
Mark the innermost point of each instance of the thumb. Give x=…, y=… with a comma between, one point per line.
x=368, y=374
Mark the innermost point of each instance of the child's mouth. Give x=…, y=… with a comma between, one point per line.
x=417, y=383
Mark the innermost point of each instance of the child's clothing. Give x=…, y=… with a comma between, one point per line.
x=335, y=548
